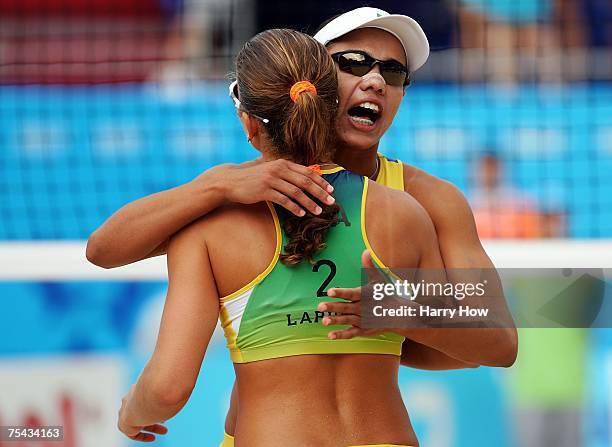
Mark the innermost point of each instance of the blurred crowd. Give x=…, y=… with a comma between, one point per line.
x=498, y=40
x=69, y=41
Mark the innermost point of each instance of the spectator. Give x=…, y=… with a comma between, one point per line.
x=501, y=211
x=505, y=36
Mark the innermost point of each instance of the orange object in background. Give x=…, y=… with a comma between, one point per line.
x=508, y=223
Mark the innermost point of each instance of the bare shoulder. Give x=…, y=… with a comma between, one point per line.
x=397, y=225
x=437, y=196
x=446, y=205
x=452, y=217
x=397, y=203
x=222, y=222
x=234, y=212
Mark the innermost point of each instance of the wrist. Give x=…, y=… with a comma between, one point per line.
x=126, y=419
x=211, y=187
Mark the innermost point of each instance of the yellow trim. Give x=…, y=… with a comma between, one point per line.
x=228, y=440
x=306, y=347
x=391, y=173
x=397, y=174
x=332, y=170
x=364, y=235
x=228, y=329
x=262, y=275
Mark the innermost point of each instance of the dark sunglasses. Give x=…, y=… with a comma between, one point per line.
x=358, y=63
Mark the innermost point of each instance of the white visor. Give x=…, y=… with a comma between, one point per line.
x=406, y=29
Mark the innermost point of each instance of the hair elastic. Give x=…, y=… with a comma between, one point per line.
x=300, y=87
x=315, y=168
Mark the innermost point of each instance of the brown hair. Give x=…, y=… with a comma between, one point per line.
x=302, y=131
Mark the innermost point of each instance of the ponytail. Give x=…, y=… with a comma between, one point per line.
x=289, y=78
x=307, y=234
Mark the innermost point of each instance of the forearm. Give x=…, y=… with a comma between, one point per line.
x=479, y=346
x=419, y=356
x=489, y=339
x=486, y=338
x=140, y=229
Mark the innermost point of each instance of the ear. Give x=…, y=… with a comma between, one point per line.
x=250, y=125
x=253, y=128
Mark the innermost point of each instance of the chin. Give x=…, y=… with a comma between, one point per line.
x=356, y=141
x=363, y=144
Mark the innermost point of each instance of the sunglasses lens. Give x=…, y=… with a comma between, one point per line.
x=356, y=64
x=359, y=70
x=394, y=77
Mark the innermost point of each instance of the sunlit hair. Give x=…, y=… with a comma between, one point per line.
x=302, y=131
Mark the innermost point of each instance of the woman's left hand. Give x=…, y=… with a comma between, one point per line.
x=144, y=433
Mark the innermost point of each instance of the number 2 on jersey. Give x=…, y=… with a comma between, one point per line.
x=332, y=273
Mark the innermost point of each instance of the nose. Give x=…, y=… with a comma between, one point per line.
x=374, y=80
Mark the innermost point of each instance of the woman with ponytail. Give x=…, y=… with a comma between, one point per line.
x=266, y=274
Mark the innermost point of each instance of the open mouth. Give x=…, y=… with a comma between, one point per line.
x=365, y=114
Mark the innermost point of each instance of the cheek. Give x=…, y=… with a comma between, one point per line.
x=346, y=84
x=393, y=105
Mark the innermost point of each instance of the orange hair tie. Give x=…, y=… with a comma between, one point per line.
x=299, y=87
x=315, y=168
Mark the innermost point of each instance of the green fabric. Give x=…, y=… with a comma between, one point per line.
x=282, y=308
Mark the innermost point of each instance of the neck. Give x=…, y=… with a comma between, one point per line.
x=267, y=156
x=362, y=162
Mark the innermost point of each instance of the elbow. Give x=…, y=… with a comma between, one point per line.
x=169, y=392
x=95, y=252
x=166, y=388
x=506, y=349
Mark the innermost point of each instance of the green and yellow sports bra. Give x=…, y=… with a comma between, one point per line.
x=276, y=315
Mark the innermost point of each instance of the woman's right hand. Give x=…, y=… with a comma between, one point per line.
x=279, y=181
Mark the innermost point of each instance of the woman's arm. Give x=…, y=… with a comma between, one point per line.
x=460, y=248
x=495, y=345
x=142, y=228
x=419, y=356
x=414, y=354
x=189, y=319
